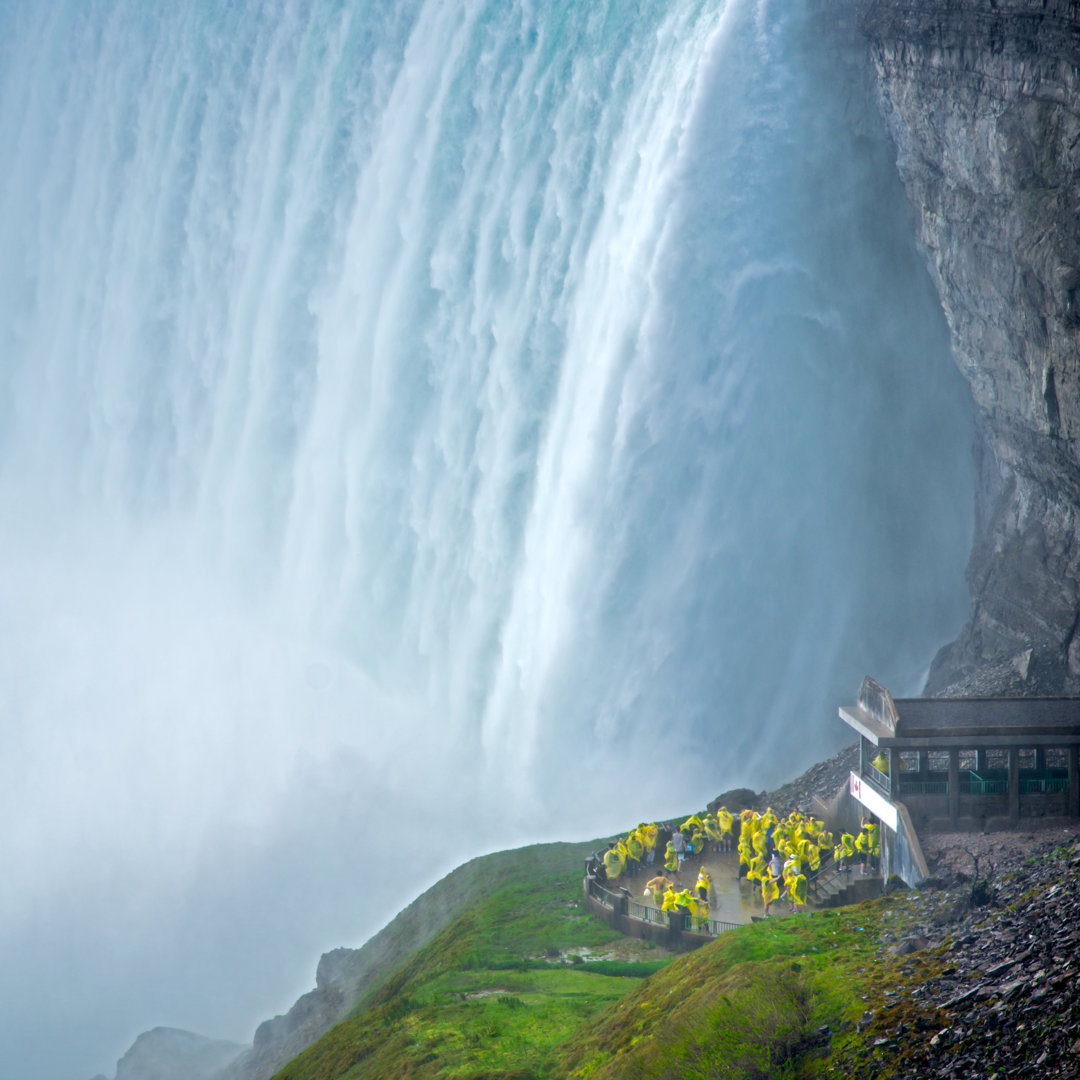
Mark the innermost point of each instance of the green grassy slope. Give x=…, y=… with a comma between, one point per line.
x=779, y=998
x=495, y=992
x=509, y=990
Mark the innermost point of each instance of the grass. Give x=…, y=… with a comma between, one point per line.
x=494, y=994
x=513, y=989
x=755, y=1002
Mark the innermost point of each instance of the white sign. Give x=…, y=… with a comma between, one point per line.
x=874, y=802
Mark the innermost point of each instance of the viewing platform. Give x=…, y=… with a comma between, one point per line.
x=968, y=763
x=736, y=901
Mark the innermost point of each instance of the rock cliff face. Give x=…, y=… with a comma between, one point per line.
x=172, y=1054
x=983, y=101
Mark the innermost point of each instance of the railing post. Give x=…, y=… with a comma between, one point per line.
x=1014, y=783
x=675, y=928
x=954, y=785
x=1073, y=809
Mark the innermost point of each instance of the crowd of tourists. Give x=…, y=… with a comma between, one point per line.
x=779, y=853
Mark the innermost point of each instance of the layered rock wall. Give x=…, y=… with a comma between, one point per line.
x=983, y=102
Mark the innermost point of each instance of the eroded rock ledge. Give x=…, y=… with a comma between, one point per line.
x=983, y=102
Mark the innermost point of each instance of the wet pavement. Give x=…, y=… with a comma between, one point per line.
x=731, y=900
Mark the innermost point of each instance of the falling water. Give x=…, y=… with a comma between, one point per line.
x=462, y=422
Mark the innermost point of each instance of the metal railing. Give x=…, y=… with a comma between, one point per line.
x=643, y=912
x=879, y=778
x=1047, y=785
x=647, y=914
x=976, y=785
x=924, y=787
x=698, y=925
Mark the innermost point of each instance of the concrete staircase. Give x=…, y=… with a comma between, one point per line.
x=835, y=889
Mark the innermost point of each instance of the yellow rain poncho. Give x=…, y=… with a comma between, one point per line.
x=810, y=854
x=770, y=890
x=671, y=859
x=798, y=890
x=761, y=836
x=846, y=848
x=702, y=913
x=612, y=863
x=724, y=820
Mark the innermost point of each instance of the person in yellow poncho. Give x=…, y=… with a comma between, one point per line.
x=685, y=899
x=770, y=880
x=669, y=901
x=868, y=845
x=758, y=868
x=760, y=837
x=613, y=864
x=649, y=834
x=696, y=844
x=809, y=853
x=725, y=820
x=746, y=848
x=712, y=830
x=845, y=852
x=704, y=884
x=792, y=870
x=671, y=859
x=635, y=850
x=798, y=891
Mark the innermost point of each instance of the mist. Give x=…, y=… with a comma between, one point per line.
x=427, y=428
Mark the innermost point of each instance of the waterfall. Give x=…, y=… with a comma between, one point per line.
x=470, y=422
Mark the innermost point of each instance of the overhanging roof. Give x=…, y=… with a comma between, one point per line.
x=975, y=721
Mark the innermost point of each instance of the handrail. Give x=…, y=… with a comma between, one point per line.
x=642, y=912
x=697, y=924
x=877, y=777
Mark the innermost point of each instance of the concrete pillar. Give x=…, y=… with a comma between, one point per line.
x=894, y=774
x=981, y=762
x=675, y=929
x=1014, y=783
x=1074, y=782
x=1040, y=759
x=924, y=765
x=954, y=785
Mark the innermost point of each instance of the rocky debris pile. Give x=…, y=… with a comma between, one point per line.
x=1002, y=997
x=822, y=780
